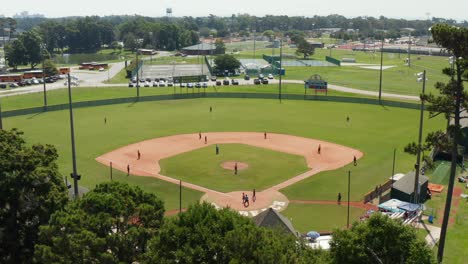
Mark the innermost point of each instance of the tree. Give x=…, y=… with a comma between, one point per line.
x=380, y=239
x=110, y=224
x=451, y=102
x=220, y=48
x=32, y=44
x=50, y=68
x=227, y=63
x=305, y=48
x=130, y=42
x=203, y=234
x=15, y=54
x=270, y=34
x=31, y=189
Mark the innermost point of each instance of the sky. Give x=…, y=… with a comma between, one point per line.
x=407, y=9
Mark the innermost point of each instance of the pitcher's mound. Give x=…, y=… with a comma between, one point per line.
x=229, y=165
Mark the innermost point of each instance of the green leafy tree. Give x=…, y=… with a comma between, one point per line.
x=270, y=34
x=305, y=48
x=15, y=54
x=130, y=42
x=50, y=68
x=203, y=234
x=227, y=63
x=220, y=48
x=380, y=239
x=110, y=224
x=32, y=44
x=31, y=189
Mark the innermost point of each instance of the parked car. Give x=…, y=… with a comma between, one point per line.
x=101, y=69
x=147, y=84
x=257, y=81
x=155, y=84
x=204, y=85
x=182, y=85
x=261, y=76
x=265, y=81
x=225, y=82
x=270, y=76
x=234, y=82
x=170, y=83
x=162, y=83
x=246, y=77
x=13, y=85
x=198, y=85
x=189, y=85
x=213, y=78
x=3, y=85
x=130, y=84
x=218, y=83
x=148, y=79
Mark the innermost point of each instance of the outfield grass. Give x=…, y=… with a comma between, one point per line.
x=60, y=96
x=384, y=128
x=203, y=167
x=308, y=217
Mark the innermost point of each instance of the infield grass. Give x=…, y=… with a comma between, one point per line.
x=265, y=167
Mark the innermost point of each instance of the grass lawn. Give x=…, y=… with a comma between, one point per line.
x=373, y=129
x=60, y=96
x=203, y=167
x=457, y=242
x=318, y=217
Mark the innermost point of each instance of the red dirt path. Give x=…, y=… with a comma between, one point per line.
x=332, y=156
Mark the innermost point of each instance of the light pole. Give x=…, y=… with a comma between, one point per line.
x=138, y=75
x=280, y=68
x=349, y=191
x=74, y=174
x=422, y=77
x=381, y=66
x=43, y=73
x=1, y=122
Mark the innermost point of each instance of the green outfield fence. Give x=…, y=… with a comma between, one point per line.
x=201, y=94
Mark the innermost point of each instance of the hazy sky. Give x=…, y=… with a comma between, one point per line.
x=412, y=9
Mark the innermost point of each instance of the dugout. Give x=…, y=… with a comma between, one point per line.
x=403, y=189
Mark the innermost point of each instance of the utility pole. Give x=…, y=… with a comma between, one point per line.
x=409, y=50
x=281, y=66
x=74, y=174
x=393, y=167
x=44, y=82
x=180, y=196
x=381, y=65
x=1, y=122
x=418, y=159
x=138, y=75
x=349, y=191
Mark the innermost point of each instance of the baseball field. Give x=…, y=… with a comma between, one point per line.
x=371, y=134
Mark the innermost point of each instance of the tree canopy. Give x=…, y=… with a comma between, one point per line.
x=225, y=63
x=31, y=189
x=379, y=240
x=203, y=234
x=220, y=48
x=110, y=224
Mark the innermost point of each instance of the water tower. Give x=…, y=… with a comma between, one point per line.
x=169, y=13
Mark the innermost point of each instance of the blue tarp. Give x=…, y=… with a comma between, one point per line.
x=397, y=206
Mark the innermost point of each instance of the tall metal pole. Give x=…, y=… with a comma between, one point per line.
x=44, y=82
x=393, y=167
x=409, y=50
x=1, y=122
x=180, y=196
x=349, y=191
x=418, y=159
x=75, y=175
x=281, y=66
x=138, y=75
x=381, y=65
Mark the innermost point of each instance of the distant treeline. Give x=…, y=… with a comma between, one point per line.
x=83, y=34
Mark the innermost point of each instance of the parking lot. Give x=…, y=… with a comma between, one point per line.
x=165, y=71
